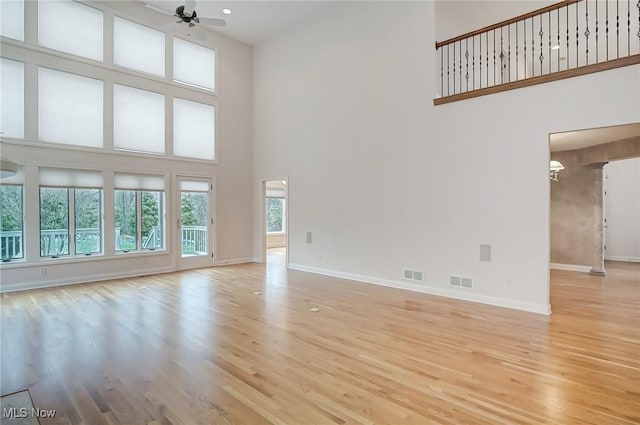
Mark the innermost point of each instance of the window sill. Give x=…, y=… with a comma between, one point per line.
x=276, y=233
x=79, y=259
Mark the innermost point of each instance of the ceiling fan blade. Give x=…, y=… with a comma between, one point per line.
x=212, y=21
x=189, y=7
x=157, y=9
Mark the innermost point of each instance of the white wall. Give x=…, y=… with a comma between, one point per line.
x=385, y=181
x=232, y=173
x=623, y=210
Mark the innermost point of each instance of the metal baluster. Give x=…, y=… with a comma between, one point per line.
x=597, y=58
x=501, y=59
x=638, y=22
x=460, y=71
x=558, y=30
x=607, y=28
x=533, y=49
x=577, y=38
x=466, y=55
x=494, y=56
x=567, y=37
x=480, y=44
x=509, y=53
x=586, y=32
x=441, y=71
x=617, y=28
x=487, y=58
x=541, y=33
x=473, y=68
x=549, y=42
x=628, y=28
x=454, y=68
x=524, y=34
x=517, y=74
x=448, y=71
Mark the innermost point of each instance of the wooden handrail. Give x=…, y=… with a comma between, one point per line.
x=507, y=22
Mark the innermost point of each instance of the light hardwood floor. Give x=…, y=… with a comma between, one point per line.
x=199, y=347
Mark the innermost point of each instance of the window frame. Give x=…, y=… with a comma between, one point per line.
x=139, y=237
x=22, y=227
x=72, y=249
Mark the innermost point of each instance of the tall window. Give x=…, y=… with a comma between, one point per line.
x=70, y=212
x=194, y=64
x=276, y=214
x=138, y=120
x=12, y=104
x=71, y=27
x=12, y=216
x=138, y=47
x=139, y=212
x=69, y=108
x=193, y=129
x=12, y=19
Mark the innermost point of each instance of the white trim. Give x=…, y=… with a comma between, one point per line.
x=237, y=261
x=24, y=286
x=570, y=267
x=619, y=258
x=465, y=295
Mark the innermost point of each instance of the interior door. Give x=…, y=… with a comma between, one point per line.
x=195, y=223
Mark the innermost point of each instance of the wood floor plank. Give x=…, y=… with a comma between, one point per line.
x=201, y=347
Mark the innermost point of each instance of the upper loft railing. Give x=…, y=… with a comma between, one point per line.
x=563, y=40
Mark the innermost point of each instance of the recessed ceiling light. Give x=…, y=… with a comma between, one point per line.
x=226, y=11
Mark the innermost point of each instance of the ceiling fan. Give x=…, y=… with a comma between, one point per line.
x=187, y=13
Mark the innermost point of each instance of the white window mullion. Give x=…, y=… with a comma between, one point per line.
x=139, y=218
x=72, y=222
x=107, y=46
x=31, y=212
x=30, y=101
x=107, y=128
x=108, y=219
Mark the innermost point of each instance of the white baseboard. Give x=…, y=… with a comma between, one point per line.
x=24, y=286
x=235, y=261
x=570, y=267
x=627, y=259
x=465, y=296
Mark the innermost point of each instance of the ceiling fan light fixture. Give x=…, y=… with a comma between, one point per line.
x=554, y=168
x=8, y=168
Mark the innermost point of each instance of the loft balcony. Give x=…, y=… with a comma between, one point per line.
x=563, y=40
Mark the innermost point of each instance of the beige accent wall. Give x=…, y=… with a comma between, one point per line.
x=576, y=209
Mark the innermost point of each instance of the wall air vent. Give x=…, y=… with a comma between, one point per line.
x=461, y=282
x=413, y=275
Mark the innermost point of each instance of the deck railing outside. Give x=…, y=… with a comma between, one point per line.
x=194, y=240
x=569, y=38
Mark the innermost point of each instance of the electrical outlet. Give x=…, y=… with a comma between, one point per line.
x=43, y=271
x=309, y=237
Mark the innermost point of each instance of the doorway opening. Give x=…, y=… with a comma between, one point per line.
x=275, y=222
x=581, y=236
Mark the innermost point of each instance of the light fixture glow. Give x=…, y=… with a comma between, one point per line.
x=556, y=47
x=226, y=11
x=554, y=168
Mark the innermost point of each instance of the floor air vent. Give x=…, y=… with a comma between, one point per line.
x=413, y=275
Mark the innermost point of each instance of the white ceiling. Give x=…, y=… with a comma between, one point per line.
x=571, y=140
x=251, y=21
